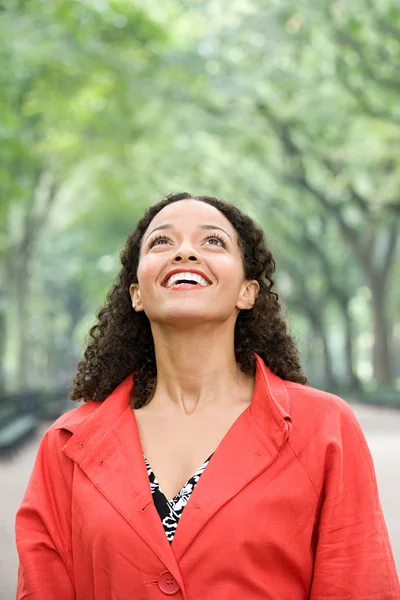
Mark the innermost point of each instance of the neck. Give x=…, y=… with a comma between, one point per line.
x=197, y=369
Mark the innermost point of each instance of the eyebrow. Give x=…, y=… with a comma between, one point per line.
x=204, y=227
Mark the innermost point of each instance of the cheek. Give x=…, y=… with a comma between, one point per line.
x=229, y=272
x=148, y=271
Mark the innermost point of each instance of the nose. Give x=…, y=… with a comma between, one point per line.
x=185, y=252
x=181, y=256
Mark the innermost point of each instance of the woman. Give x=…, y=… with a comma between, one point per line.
x=201, y=465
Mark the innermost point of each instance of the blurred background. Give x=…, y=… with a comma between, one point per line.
x=290, y=110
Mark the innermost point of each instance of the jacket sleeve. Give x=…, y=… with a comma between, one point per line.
x=43, y=526
x=353, y=558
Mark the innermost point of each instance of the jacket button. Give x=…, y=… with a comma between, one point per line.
x=167, y=583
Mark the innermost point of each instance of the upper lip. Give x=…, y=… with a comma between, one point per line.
x=188, y=270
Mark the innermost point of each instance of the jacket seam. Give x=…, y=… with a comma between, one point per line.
x=69, y=567
x=304, y=468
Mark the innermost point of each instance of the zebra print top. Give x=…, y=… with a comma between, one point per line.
x=171, y=511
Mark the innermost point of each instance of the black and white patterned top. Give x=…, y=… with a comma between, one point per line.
x=170, y=511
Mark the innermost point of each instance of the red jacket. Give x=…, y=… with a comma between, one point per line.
x=287, y=509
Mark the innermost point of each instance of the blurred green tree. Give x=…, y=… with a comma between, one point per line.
x=74, y=77
x=288, y=109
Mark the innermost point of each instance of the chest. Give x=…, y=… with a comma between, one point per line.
x=175, y=447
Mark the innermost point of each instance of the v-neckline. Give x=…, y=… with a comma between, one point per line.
x=173, y=500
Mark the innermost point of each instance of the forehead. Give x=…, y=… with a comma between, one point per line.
x=188, y=214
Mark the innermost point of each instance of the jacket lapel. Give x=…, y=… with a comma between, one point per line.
x=106, y=446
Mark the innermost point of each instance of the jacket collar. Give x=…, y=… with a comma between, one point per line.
x=106, y=446
x=270, y=400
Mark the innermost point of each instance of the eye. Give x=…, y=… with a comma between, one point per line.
x=157, y=239
x=215, y=237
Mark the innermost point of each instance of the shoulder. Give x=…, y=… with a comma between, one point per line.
x=326, y=436
x=320, y=415
x=57, y=435
x=72, y=419
x=321, y=404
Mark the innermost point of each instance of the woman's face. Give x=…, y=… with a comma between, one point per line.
x=196, y=245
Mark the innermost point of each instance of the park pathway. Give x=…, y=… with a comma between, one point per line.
x=381, y=427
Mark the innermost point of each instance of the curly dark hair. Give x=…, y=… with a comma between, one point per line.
x=121, y=340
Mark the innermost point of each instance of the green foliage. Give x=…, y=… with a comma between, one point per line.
x=288, y=109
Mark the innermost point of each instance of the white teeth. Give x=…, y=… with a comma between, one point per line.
x=188, y=276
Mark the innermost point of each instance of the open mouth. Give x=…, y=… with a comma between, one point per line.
x=186, y=281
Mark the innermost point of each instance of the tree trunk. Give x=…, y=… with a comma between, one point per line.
x=381, y=358
x=21, y=296
x=352, y=377
x=328, y=362
x=319, y=330
x=2, y=351
x=18, y=261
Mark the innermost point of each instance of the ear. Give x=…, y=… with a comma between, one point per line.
x=134, y=292
x=248, y=295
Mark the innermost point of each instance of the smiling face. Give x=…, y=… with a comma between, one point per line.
x=190, y=267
